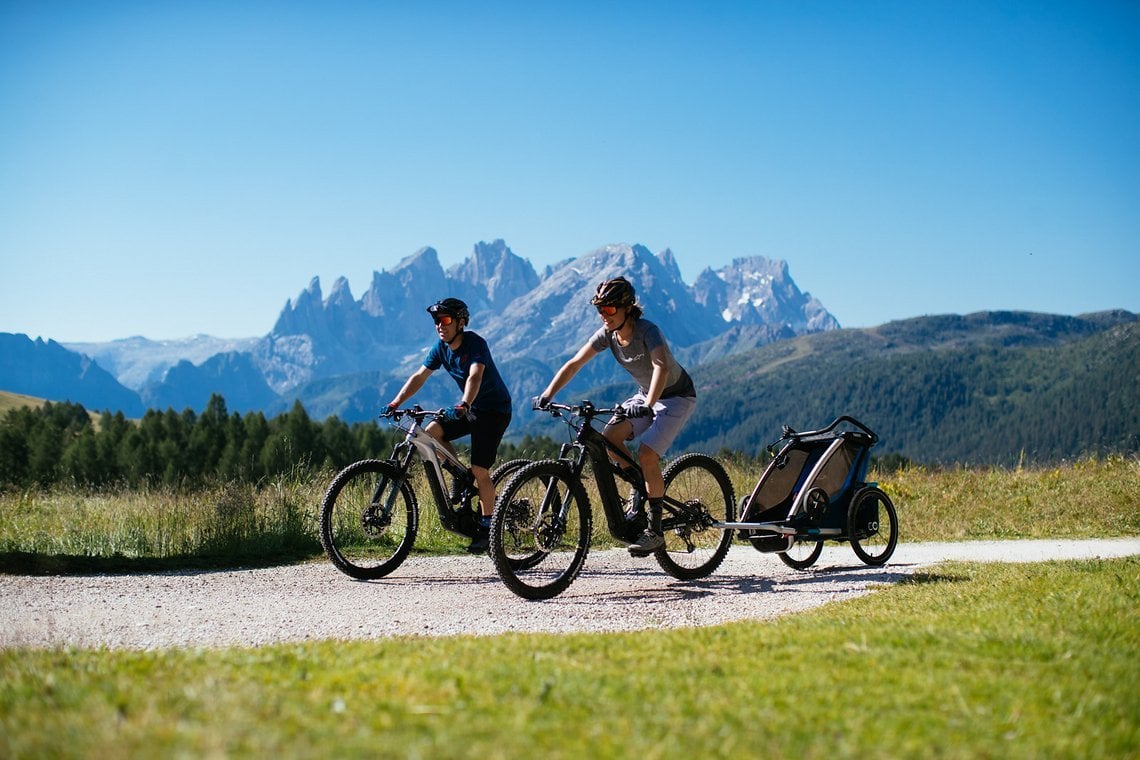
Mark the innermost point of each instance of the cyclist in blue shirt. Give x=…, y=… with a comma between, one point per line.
x=484, y=409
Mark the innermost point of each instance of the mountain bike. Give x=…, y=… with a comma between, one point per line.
x=542, y=524
x=370, y=513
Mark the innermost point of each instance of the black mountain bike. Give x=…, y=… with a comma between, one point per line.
x=370, y=514
x=542, y=524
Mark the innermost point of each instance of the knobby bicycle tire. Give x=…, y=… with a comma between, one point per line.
x=358, y=539
x=538, y=547
x=695, y=550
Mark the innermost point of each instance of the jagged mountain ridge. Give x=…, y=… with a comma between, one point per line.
x=525, y=315
x=322, y=346
x=46, y=369
x=985, y=388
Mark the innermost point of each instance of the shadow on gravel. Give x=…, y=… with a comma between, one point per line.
x=435, y=580
x=27, y=563
x=634, y=591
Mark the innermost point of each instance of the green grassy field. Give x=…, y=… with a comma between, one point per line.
x=74, y=530
x=964, y=661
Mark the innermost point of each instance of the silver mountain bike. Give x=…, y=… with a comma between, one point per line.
x=370, y=513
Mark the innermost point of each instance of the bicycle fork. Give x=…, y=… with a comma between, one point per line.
x=378, y=516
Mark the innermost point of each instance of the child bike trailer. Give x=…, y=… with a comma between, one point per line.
x=815, y=490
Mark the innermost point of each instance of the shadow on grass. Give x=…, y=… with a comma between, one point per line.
x=924, y=578
x=27, y=563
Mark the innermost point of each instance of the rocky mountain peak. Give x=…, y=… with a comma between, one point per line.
x=341, y=294
x=492, y=276
x=526, y=316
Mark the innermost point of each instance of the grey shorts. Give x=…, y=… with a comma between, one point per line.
x=669, y=416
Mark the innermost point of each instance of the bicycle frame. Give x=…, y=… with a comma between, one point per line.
x=436, y=458
x=592, y=445
x=543, y=524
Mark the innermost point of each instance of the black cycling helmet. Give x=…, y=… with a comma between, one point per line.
x=452, y=307
x=615, y=292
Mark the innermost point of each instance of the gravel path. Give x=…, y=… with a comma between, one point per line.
x=455, y=595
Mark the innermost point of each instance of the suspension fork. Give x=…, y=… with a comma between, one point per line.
x=553, y=502
x=401, y=458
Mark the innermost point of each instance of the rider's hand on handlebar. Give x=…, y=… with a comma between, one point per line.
x=540, y=403
x=390, y=409
x=460, y=411
x=637, y=410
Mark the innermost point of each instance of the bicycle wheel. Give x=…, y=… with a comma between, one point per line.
x=693, y=549
x=368, y=524
x=872, y=526
x=540, y=531
x=802, y=554
x=505, y=470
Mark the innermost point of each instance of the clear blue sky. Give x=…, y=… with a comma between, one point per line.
x=173, y=168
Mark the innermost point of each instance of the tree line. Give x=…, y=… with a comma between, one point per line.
x=61, y=443
x=977, y=405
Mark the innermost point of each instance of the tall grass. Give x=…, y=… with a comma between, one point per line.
x=213, y=524
x=233, y=523
x=1086, y=498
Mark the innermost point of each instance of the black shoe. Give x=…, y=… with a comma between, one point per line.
x=481, y=542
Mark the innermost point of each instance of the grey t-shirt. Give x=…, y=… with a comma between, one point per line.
x=635, y=358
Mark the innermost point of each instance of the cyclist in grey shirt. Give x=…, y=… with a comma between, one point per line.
x=656, y=413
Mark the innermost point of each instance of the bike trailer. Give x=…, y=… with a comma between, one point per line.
x=806, y=491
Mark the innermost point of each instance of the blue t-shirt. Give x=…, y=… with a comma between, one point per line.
x=493, y=395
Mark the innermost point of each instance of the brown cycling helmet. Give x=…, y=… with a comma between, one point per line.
x=615, y=292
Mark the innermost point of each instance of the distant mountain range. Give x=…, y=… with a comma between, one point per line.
x=347, y=356
x=762, y=353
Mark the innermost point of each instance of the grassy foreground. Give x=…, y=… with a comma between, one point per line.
x=967, y=661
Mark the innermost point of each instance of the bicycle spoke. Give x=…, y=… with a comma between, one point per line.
x=368, y=520
x=701, y=494
x=540, y=531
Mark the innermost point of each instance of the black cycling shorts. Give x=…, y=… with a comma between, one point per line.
x=486, y=431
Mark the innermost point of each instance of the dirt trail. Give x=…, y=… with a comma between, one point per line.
x=438, y=596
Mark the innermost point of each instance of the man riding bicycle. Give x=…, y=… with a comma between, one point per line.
x=484, y=409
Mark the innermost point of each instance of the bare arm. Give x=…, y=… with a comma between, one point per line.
x=474, y=382
x=569, y=369
x=660, y=375
x=415, y=382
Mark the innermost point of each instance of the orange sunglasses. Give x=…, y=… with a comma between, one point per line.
x=607, y=311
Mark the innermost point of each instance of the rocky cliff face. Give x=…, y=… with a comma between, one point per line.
x=323, y=349
x=530, y=317
x=759, y=291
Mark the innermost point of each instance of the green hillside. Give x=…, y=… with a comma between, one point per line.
x=9, y=400
x=995, y=388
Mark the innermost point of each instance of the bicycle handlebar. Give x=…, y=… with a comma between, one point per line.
x=417, y=413
x=585, y=409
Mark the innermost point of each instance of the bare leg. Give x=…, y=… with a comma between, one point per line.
x=650, y=462
x=486, y=489
x=618, y=434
